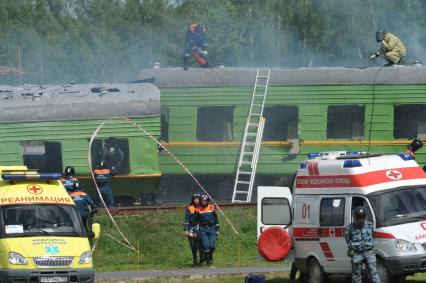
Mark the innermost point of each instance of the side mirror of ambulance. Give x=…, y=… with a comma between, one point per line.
x=96, y=228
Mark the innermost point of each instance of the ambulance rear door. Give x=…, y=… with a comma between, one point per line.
x=274, y=209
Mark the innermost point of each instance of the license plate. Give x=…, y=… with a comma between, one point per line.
x=54, y=279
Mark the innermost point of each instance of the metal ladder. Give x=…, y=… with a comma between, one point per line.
x=252, y=139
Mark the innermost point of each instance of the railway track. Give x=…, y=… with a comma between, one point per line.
x=135, y=210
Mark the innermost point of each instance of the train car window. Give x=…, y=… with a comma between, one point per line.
x=114, y=152
x=345, y=122
x=164, y=124
x=332, y=212
x=282, y=123
x=409, y=121
x=45, y=156
x=215, y=123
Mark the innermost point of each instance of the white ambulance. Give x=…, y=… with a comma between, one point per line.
x=315, y=213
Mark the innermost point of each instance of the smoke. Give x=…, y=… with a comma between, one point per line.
x=110, y=41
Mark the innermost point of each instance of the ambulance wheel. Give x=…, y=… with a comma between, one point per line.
x=315, y=272
x=383, y=272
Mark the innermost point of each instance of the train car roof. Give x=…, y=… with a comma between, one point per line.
x=78, y=101
x=199, y=77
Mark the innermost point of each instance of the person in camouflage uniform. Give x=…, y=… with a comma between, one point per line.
x=359, y=237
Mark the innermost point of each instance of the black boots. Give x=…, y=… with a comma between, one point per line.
x=202, y=258
x=209, y=257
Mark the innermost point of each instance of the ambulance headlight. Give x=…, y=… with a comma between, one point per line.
x=15, y=258
x=85, y=258
x=404, y=246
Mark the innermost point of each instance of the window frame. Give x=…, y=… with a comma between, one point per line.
x=288, y=121
x=47, y=144
x=404, y=121
x=121, y=170
x=164, y=125
x=352, y=137
x=321, y=211
x=278, y=198
x=232, y=121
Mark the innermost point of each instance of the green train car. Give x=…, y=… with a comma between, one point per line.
x=49, y=127
x=203, y=114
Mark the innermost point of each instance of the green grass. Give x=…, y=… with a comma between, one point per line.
x=163, y=245
x=160, y=238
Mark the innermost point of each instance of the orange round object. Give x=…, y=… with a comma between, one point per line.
x=274, y=244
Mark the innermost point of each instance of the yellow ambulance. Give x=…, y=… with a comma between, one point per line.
x=42, y=237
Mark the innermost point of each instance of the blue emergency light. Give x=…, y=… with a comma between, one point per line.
x=303, y=165
x=406, y=156
x=38, y=176
x=354, y=153
x=313, y=155
x=351, y=163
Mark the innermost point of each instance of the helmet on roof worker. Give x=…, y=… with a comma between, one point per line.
x=360, y=212
x=69, y=171
x=380, y=35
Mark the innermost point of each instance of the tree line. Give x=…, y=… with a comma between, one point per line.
x=111, y=40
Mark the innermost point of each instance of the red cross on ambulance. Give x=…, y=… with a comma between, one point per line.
x=394, y=174
x=34, y=189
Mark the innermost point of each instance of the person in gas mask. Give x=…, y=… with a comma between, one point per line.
x=391, y=47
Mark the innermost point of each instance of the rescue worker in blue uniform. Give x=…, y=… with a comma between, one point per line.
x=209, y=227
x=191, y=228
x=359, y=237
x=103, y=177
x=68, y=179
x=195, y=37
x=84, y=204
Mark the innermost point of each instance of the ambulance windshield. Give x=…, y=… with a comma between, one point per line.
x=399, y=206
x=40, y=219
